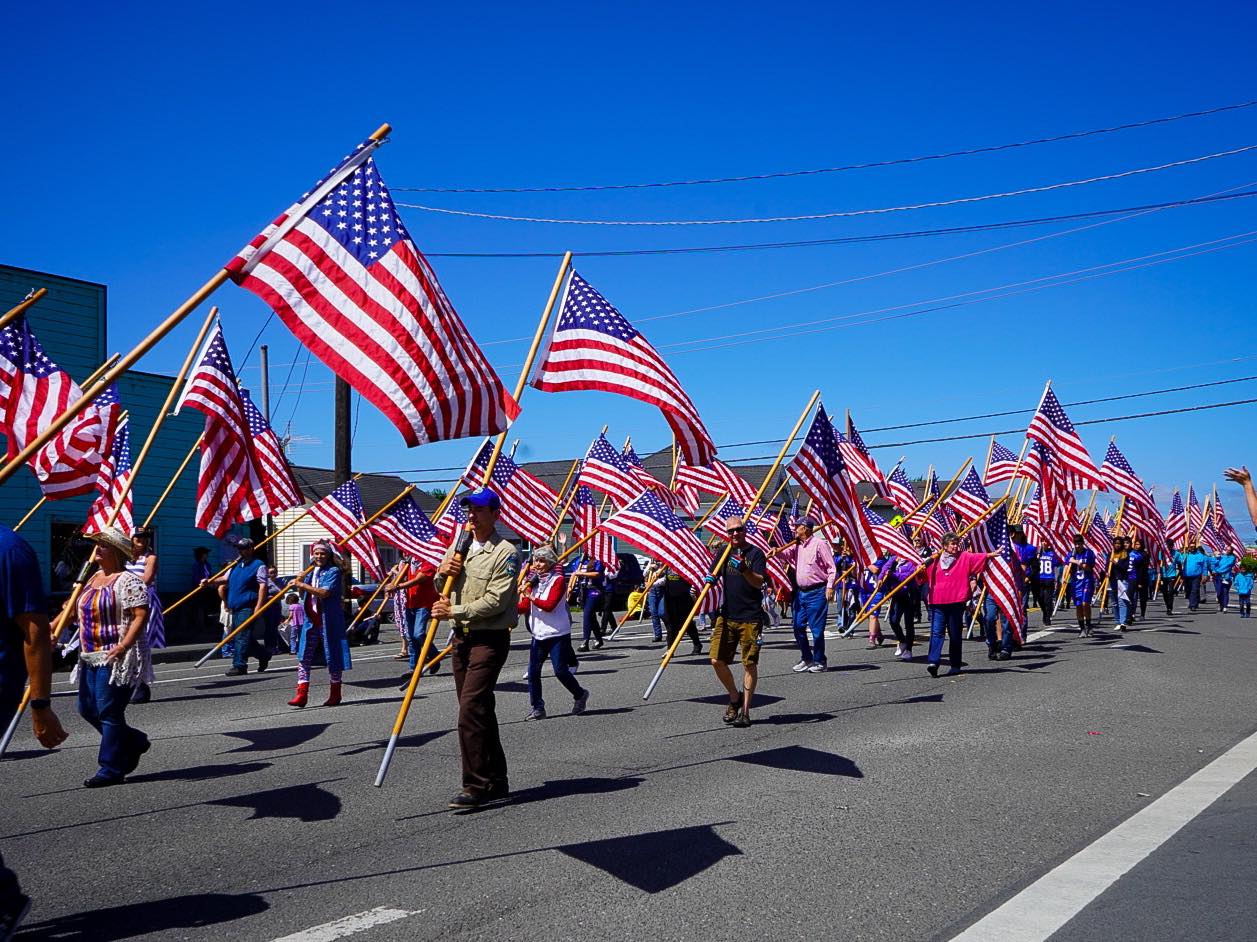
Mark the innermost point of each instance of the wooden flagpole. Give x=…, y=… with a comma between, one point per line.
x=724, y=555
x=1085, y=526
x=459, y=549
x=90, y=394
x=30, y=513
x=301, y=575
x=21, y=307
x=395, y=577
x=943, y=494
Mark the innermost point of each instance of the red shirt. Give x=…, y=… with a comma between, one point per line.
x=424, y=594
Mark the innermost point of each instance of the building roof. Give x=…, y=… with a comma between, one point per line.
x=377, y=489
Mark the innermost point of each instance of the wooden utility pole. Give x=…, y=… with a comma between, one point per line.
x=344, y=451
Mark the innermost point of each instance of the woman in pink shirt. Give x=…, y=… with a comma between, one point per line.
x=949, y=574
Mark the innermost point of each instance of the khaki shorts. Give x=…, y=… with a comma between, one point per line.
x=729, y=635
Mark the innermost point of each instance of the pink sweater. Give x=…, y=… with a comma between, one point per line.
x=948, y=586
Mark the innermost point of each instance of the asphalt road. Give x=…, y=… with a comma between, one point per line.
x=872, y=802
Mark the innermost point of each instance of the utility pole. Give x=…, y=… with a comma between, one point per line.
x=344, y=455
x=265, y=354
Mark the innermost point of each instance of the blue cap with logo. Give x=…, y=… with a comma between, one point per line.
x=484, y=497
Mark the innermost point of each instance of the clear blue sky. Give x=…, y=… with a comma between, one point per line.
x=147, y=144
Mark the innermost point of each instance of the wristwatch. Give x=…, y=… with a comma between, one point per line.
x=41, y=704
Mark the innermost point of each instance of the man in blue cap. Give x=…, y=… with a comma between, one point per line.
x=481, y=608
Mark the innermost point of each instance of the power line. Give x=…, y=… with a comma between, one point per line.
x=989, y=149
x=840, y=214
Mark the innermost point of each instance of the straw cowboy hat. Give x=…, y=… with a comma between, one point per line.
x=115, y=539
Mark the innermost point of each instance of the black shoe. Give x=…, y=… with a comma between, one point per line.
x=1004, y=656
x=12, y=913
x=263, y=663
x=103, y=781
x=933, y=669
x=236, y=671
x=698, y=649
x=992, y=655
x=584, y=648
x=732, y=710
x=434, y=668
x=142, y=694
x=135, y=762
x=743, y=720
x=499, y=792
x=465, y=801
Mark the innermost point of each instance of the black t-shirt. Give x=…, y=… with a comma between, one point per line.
x=744, y=602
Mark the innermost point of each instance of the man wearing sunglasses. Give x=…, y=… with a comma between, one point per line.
x=740, y=622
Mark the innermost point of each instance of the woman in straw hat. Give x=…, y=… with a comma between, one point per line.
x=324, y=624
x=113, y=616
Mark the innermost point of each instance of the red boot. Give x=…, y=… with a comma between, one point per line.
x=333, y=698
x=303, y=694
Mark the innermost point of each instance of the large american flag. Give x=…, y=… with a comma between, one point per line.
x=342, y=272
x=715, y=478
x=649, y=482
x=278, y=483
x=585, y=520
x=231, y=487
x=407, y=527
x=527, y=503
x=1176, y=520
x=820, y=470
x=1098, y=538
x=1195, y=517
x=859, y=462
x=1003, y=574
x=453, y=520
x=970, y=500
x=892, y=539
x=649, y=523
x=1000, y=466
x=930, y=516
x=900, y=490
x=33, y=392
x=607, y=471
x=1120, y=478
x=1230, y=538
x=1052, y=427
x=115, y=472
x=341, y=512
x=594, y=347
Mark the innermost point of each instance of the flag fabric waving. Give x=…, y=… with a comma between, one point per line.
x=341, y=271
x=115, y=471
x=607, y=471
x=860, y=463
x=232, y=487
x=649, y=482
x=1195, y=518
x=970, y=500
x=715, y=478
x=1003, y=574
x=527, y=504
x=1099, y=539
x=453, y=520
x=594, y=347
x=69, y=464
x=1051, y=427
x=1120, y=478
x=1001, y=466
x=820, y=470
x=281, y=488
x=342, y=512
x=407, y=527
x=891, y=539
x=585, y=520
x=1176, y=520
x=900, y=491
x=648, y=522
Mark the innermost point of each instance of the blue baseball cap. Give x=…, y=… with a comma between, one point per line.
x=482, y=498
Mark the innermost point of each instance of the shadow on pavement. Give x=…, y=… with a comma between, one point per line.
x=406, y=742
x=656, y=861
x=302, y=802
x=217, y=696
x=198, y=910
x=566, y=788
x=275, y=738
x=720, y=699
x=200, y=772
x=379, y=683
x=802, y=759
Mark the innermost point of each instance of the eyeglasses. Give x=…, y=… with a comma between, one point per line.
x=736, y=529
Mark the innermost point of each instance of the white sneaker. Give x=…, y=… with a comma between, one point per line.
x=899, y=650
x=816, y=667
x=801, y=667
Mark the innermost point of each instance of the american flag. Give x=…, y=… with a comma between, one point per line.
x=1120, y=478
x=341, y=512
x=900, y=490
x=606, y=470
x=1052, y=427
x=452, y=520
x=1176, y=520
x=1226, y=532
x=650, y=524
x=1195, y=518
x=970, y=500
x=281, y=488
x=820, y=470
x=232, y=486
x=1003, y=574
x=585, y=520
x=594, y=347
x=860, y=463
x=342, y=272
x=1098, y=538
x=527, y=503
x=930, y=517
x=715, y=478
x=1210, y=539
x=33, y=392
x=115, y=471
x=1000, y=466
x=407, y=527
x=892, y=539
x=649, y=482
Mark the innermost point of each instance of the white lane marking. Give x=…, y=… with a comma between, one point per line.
x=279, y=669
x=349, y=925
x=1055, y=898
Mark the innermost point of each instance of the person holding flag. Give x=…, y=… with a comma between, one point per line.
x=247, y=583
x=1082, y=568
x=949, y=576
x=324, y=625
x=1045, y=585
x=550, y=624
x=740, y=623
x=813, y=560
x=419, y=587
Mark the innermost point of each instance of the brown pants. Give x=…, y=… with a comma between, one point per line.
x=478, y=660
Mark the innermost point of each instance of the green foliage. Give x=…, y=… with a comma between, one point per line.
x=1249, y=564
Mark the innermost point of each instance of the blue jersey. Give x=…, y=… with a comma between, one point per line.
x=1047, y=567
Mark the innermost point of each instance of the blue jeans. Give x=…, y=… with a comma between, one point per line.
x=104, y=706
x=1222, y=586
x=559, y=651
x=416, y=631
x=992, y=620
x=946, y=619
x=246, y=644
x=1246, y=606
x=654, y=605
x=1121, y=608
x=810, y=613
x=1191, y=586
x=593, y=612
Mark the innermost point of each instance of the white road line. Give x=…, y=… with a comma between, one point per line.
x=349, y=925
x=1055, y=898
x=277, y=669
